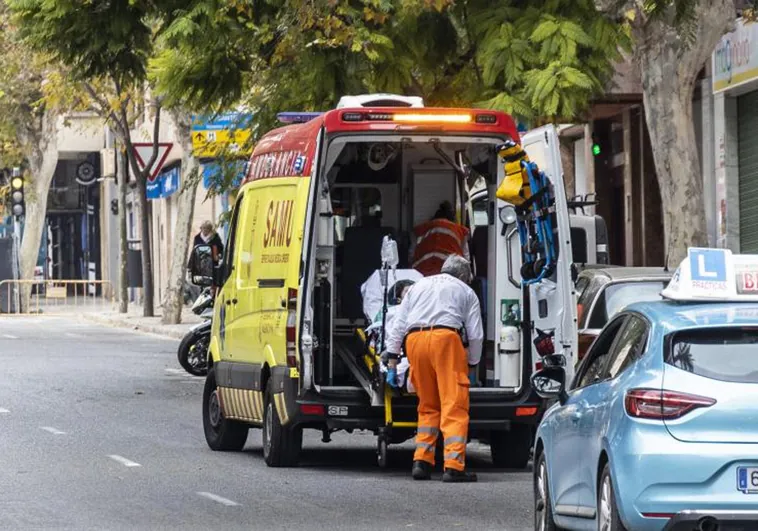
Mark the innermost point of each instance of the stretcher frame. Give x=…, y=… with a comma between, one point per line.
x=372, y=361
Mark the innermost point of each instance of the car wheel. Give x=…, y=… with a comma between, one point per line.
x=221, y=434
x=608, y=518
x=281, y=444
x=512, y=448
x=543, y=509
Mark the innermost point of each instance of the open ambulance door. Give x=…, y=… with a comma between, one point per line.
x=549, y=305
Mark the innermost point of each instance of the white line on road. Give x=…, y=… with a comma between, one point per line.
x=219, y=499
x=75, y=336
x=124, y=461
x=3, y=410
x=8, y=336
x=175, y=371
x=52, y=430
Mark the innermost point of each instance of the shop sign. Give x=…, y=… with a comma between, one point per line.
x=735, y=60
x=165, y=184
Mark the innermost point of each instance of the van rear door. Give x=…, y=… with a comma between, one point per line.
x=552, y=304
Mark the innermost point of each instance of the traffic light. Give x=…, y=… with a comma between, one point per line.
x=18, y=206
x=595, y=146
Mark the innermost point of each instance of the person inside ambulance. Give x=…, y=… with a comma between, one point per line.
x=437, y=239
x=429, y=327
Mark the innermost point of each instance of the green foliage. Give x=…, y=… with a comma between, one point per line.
x=541, y=59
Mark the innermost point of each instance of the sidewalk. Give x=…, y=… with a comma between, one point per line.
x=135, y=321
x=106, y=313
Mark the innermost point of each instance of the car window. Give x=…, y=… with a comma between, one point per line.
x=593, y=364
x=587, y=294
x=628, y=347
x=620, y=294
x=726, y=354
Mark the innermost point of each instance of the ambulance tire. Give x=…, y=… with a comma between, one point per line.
x=221, y=434
x=512, y=448
x=281, y=444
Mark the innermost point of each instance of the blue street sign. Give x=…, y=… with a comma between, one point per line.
x=708, y=265
x=165, y=184
x=213, y=174
x=223, y=121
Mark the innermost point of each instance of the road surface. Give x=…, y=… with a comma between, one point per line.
x=101, y=429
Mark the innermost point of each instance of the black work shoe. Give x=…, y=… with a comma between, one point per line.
x=457, y=476
x=421, y=470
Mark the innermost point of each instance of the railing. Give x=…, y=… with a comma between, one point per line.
x=35, y=297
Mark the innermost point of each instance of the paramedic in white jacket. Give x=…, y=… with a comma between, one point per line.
x=429, y=322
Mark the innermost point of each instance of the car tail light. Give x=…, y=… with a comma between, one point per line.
x=538, y=365
x=526, y=411
x=312, y=409
x=291, y=328
x=662, y=404
x=544, y=343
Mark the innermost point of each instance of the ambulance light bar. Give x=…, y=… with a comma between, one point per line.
x=297, y=117
x=714, y=275
x=427, y=118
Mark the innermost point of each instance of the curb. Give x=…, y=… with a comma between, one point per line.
x=150, y=329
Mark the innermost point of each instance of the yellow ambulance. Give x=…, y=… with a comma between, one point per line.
x=319, y=196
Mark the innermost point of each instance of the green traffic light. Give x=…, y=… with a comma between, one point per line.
x=596, y=149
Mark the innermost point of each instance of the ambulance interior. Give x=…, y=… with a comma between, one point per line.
x=377, y=187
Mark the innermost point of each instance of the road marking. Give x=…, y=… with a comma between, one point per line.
x=75, y=336
x=124, y=461
x=175, y=371
x=8, y=336
x=219, y=499
x=52, y=430
x=3, y=410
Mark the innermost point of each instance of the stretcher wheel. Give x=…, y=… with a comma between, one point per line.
x=381, y=453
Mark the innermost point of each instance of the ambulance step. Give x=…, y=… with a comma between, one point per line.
x=359, y=371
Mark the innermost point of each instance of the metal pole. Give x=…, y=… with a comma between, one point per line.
x=16, y=262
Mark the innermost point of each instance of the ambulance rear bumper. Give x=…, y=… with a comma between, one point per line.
x=350, y=409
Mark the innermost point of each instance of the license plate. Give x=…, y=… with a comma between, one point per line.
x=747, y=479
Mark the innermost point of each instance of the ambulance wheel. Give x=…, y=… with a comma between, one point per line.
x=381, y=453
x=512, y=448
x=281, y=444
x=221, y=434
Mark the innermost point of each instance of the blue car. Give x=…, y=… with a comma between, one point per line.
x=659, y=428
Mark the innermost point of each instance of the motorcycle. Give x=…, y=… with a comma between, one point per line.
x=193, y=350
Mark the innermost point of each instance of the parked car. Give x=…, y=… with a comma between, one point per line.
x=657, y=429
x=605, y=291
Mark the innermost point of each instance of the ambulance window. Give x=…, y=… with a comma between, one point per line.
x=481, y=217
x=355, y=207
x=231, y=244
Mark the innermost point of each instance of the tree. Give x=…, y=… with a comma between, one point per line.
x=28, y=134
x=106, y=45
x=540, y=60
x=174, y=295
x=673, y=39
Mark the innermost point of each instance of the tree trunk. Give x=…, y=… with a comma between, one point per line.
x=41, y=151
x=173, y=300
x=123, y=275
x=669, y=66
x=148, y=299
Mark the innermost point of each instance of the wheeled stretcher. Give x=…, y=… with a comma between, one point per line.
x=393, y=430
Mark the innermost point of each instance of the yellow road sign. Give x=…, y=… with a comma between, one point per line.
x=209, y=144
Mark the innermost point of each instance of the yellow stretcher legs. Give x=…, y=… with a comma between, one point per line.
x=514, y=188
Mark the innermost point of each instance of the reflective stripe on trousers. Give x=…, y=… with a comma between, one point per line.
x=440, y=376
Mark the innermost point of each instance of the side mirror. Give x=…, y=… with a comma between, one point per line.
x=550, y=383
x=202, y=265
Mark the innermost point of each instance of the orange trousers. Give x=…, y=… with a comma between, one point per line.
x=439, y=372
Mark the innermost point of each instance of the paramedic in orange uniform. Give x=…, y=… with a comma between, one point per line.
x=437, y=239
x=428, y=324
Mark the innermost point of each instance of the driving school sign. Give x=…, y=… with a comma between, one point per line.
x=735, y=60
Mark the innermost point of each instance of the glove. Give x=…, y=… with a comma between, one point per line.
x=392, y=377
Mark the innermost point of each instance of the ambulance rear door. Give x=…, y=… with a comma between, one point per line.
x=551, y=302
